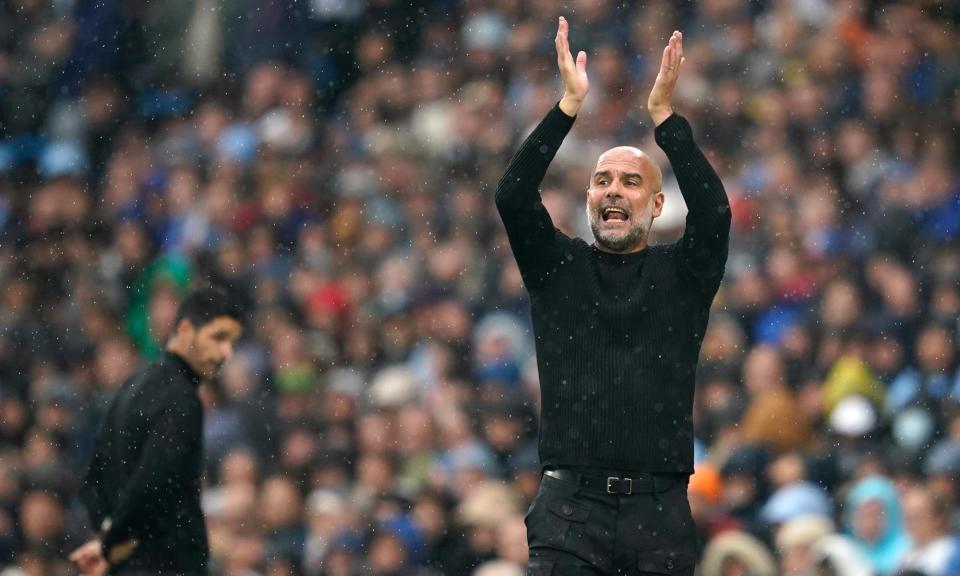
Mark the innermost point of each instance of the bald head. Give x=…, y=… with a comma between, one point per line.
x=629, y=155
x=623, y=199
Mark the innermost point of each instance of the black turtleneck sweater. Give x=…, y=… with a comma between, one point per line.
x=144, y=478
x=617, y=335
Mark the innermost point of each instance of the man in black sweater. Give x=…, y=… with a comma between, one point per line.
x=143, y=486
x=618, y=327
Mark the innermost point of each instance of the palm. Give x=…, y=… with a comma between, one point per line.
x=581, y=83
x=572, y=72
x=659, y=101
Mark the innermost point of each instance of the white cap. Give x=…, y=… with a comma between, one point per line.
x=853, y=416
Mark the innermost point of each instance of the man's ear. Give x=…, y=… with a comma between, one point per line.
x=184, y=327
x=658, y=200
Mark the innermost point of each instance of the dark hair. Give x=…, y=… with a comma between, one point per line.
x=203, y=305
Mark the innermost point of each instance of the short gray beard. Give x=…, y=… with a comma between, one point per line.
x=628, y=241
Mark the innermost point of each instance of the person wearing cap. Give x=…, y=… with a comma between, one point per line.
x=836, y=555
x=736, y=553
x=618, y=326
x=142, y=487
x=795, y=541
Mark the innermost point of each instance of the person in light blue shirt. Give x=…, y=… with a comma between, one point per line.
x=935, y=375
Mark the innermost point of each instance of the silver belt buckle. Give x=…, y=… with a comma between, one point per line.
x=612, y=479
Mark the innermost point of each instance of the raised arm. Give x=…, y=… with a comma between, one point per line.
x=529, y=227
x=705, y=242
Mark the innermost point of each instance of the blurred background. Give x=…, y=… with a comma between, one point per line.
x=334, y=161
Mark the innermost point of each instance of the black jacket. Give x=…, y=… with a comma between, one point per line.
x=144, y=478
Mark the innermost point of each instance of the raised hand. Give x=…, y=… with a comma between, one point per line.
x=574, y=73
x=659, y=102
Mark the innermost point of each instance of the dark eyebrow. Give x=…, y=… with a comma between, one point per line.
x=625, y=175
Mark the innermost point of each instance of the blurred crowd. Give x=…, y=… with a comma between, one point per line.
x=333, y=163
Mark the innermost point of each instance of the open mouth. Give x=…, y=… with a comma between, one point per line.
x=614, y=214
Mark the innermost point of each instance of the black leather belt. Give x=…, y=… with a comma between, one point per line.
x=624, y=486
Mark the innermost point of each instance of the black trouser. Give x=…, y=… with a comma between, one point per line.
x=578, y=530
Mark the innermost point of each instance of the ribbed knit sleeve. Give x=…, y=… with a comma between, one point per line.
x=705, y=241
x=529, y=227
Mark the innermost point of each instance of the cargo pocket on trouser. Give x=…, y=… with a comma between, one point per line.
x=554, y=528
x=667, y=561
x=550, y=519
x=569, y=533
